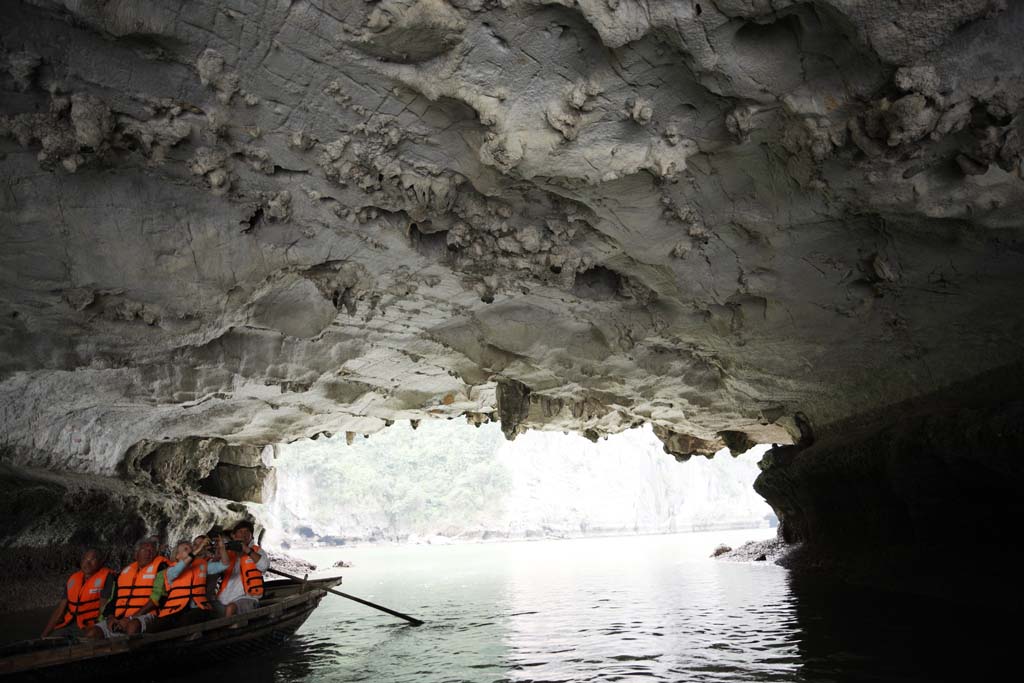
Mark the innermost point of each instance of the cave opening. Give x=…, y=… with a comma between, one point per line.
x=446, y=482
x=718, y=223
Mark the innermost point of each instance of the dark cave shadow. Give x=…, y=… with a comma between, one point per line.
x=859, y=633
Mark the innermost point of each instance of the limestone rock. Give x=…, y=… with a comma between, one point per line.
x=410, y=30
x=51, y=518
x=732, y=220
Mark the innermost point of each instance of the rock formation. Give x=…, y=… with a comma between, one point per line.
x=231, y=224
x=50, y=518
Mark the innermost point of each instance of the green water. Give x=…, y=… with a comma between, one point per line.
x=616, y=609
x=552, y=610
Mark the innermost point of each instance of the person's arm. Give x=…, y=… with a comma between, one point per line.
x=175, y=571
x=108, y=608
x=261, y=558
x=223, y=551
x=109, y=587
x=155, y=596
x=214, y=567
x=55, y=617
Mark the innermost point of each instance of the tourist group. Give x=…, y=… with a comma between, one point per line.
x=206, y=579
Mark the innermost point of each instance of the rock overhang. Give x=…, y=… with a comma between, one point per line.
x=739, y=223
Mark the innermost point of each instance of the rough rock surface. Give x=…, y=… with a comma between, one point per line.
x=925, y=495
x=50, y=518
x=740, y=221
x=771, y=550
x=257, y=220
x=291, y=564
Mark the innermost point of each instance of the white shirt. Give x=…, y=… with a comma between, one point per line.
x=234, y=589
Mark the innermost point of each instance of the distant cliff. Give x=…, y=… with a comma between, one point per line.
x=445, y=479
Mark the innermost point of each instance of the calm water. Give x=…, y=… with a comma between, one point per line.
x=619, y=609
x=636, y=609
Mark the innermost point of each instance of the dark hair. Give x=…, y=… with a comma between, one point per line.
x=245, y=524
x=101, y=555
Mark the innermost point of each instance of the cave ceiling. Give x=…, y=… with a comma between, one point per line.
x=738, y=220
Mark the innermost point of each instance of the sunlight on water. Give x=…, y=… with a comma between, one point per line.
x=614, y=609
x=587, y=609
x=652, y=608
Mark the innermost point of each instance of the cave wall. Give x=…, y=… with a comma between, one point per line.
x=171, y=490
x=50, y=518
x=232, y=224
x=924, y=498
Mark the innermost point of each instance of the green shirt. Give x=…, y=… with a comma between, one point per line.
x=159, y=588
x=109, y=606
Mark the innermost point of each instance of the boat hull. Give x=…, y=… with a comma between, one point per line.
x=220, y=639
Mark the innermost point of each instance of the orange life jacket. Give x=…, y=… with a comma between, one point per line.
x=83, y=596
x=252, y=578
x=134, y=586
x=190, y=585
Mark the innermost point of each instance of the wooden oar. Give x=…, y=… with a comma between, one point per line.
x=412, y=620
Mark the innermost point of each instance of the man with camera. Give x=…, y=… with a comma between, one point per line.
x=181, y=598
x=242, y=585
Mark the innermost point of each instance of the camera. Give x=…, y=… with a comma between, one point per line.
x=235, y=546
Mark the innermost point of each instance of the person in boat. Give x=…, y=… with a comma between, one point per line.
x=121, y=615
x=203, y=547
x=85, y=592
x=180, y=597
x=242, y=585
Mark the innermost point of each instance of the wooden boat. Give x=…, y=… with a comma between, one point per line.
x=284, y=608
x=275, y=589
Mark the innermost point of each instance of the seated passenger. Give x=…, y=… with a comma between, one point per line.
x=242, y=585
x=84, y=592
x=201, y=547
x=121, y=615
x=180, y=598
x=207, y=547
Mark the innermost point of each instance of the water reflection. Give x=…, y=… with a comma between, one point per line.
x=663, y=615
x=862, y=634
x=620, y=609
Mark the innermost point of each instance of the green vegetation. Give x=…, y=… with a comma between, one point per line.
x=449, y=479
x=387, y=484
